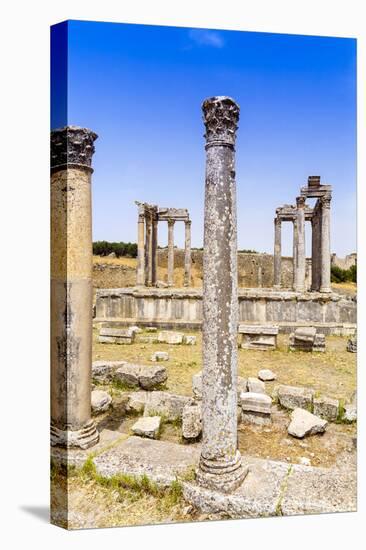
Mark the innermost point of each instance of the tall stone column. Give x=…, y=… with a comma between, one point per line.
x=141, y=247
x=154, y=255
x=148, y=250
x=300, y=255
x=187, y=253
x=220, y=466
x=170, y=252
x=294, y=252
x=72, y=149
x=325, y=244
x=277, y=254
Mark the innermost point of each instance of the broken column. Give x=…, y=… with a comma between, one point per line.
x=220, y=467
x=300, y=265
x=72, y=149
x=277, y=253
x=170, y=252
x=141, y=247
x=325, y=243
x=187, y=253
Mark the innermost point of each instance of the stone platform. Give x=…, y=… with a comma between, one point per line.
x=182, y=308
x=270, y=488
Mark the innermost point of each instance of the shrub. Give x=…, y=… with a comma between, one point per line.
x=103, y=248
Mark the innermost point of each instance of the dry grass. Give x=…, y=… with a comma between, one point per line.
x=332, y=373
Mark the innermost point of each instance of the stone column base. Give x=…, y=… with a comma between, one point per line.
x=221, y=476
x=84, y=438
x=325, y=289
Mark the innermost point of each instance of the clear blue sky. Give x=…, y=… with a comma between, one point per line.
x=140, y=88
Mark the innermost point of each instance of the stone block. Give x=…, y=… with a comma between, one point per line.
x=260, y=337
x=306, y=339
x=160, y=356
x=116, y=336
x=266, y=375
x=255, y=403
x=135, y=329
x=146, y=376
x=165, y=404
x=128, y=375
x=136, y=402
x=147, y=426
x=350, y=412
x=256, y=386
x=192, y=421
x=352, y=345
x=305, y=423
x=148, y=339
x=292, y=397
x=170, y=337
x=190, y=340
x=100, y=401
x=103, y=371
x=326, y=407
x=257, y=419
x=152, y=377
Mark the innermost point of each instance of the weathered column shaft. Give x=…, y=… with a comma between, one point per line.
x=300, y=256
x=315, y=250
x=154, y=255
x=148, y=250
x=325, y=244
x=187, y=254
x=294, y=253
x=141, y=249
x=220, y=465
x=71, y=287
x=171, y=252
x=277, y=254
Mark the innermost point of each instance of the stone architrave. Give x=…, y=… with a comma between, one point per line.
x=72, y=149
x=277, y=253
x=325, y=244
x=187, y=253
x=220, y=467
x=300, y=265
x=170, y=252
x=141, y=247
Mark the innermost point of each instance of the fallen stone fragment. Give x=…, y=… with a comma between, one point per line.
x=266, y=375
x=255, y=402
x=103, y=371
x=350, y=412
x=305, y=461
x=147, y=426
x=256, y=386
x=116, y=336
x=190, y=340
x=148, y=340
x=152, y=377
x=100, y=401
x=305, y=423
x=151, y=329
x=169, y=337
x=136, y=402
x=192, y=421
x=135, y=329
x=352, y=345
x=306, y=339
x=326, y=407
x=165, y=404
x=260, y=337
x=292, y=397
x=128, y=374
x=160, y=356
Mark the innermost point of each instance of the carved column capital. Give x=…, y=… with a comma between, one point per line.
x=72, y=147
x=300, y=202
x=325, y=200
x=220, y=115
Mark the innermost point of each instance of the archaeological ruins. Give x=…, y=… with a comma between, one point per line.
x=118, y=405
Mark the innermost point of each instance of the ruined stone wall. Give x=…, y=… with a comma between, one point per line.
x=344, y=263
x=254, y=270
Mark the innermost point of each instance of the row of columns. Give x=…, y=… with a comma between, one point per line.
x=147, y=249
x=321, y=257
